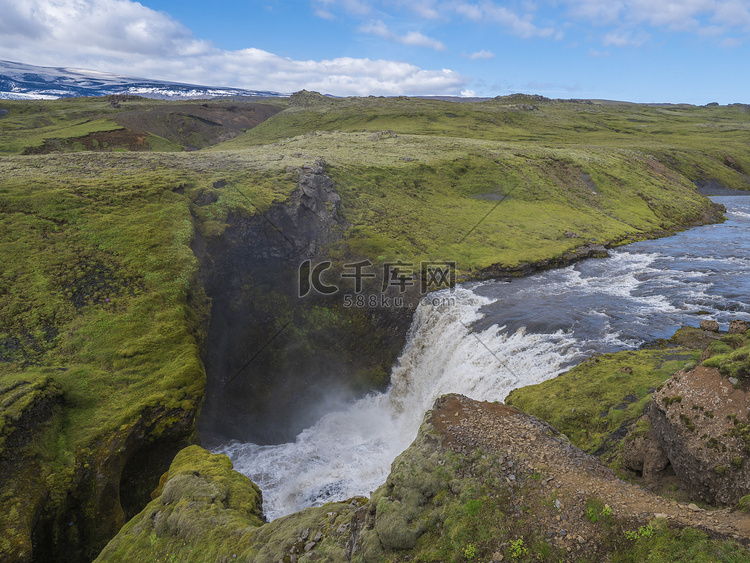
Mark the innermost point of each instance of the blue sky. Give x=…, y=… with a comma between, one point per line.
x=694, y=51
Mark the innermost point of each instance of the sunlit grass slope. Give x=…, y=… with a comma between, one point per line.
x=482, y=202
x=704, y=142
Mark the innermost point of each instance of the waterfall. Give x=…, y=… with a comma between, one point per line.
x=349, y=452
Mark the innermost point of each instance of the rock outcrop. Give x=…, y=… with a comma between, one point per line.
x=700, y=420
x=642, y=452
x=204, y=511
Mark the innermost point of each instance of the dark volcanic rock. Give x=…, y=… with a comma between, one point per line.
x=526, y=269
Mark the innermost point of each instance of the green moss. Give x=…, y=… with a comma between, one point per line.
x=160, y=144
x=667, y=544
x=207, y=511
x=719, y=347
x=732, y=361
x=80, y=129
x=744, y=504
x=599, y=396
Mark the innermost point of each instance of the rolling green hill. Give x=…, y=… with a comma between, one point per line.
x=103, y=313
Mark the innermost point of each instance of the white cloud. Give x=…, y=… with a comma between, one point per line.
x=324, y=14
x=124, y=37
x=354, y=7
x=426, y=9
x=414, y=38
x=734, y=13
x=732, y=43
x=523, y=26
x=625, y=39
x=482, y=55
x=468, y=93
x=675, y=15
x=596, y=11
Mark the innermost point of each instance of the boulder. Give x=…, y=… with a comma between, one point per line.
x=711, y=326
x=700, y=420
x=738, y=327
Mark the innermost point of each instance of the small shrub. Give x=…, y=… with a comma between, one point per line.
x=517, y=549
x=645, y=531
x=687, y=422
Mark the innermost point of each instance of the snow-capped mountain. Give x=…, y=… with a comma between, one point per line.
x=23, y=81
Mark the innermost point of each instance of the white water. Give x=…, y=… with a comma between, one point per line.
x=349, y=452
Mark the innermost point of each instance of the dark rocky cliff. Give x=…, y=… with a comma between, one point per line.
x=274, y=360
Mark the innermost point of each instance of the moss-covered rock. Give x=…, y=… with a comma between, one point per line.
x=206, y=512
x=28, y=423
x=731, y=355
x=409, y=503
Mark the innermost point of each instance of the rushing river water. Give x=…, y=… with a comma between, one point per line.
x=492, y=337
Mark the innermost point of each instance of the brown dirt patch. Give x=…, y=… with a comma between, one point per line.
x=99, y=141
x=198, y=125
x=568, y=473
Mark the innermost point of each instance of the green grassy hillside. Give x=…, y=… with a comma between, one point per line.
x=102, y=316
x=706, y=142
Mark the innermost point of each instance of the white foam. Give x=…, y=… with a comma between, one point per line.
x=349, y=452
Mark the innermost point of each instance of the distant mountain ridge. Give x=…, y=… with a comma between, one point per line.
x=19, y=81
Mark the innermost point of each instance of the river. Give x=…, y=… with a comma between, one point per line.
x=484, y=339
